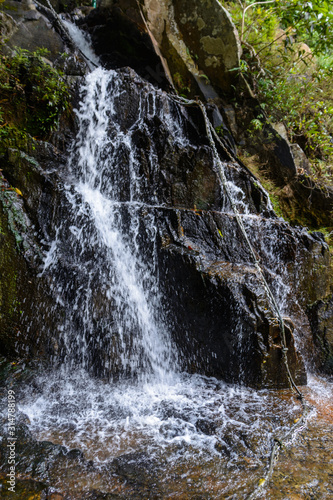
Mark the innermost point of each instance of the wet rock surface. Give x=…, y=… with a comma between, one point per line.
x=222, y=305
x=31, y=30
x=305, y=469
x=320, y=315
x=218, y=309
x=165, y=41
x=29, y=197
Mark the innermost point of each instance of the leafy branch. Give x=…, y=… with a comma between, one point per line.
x=244, y=9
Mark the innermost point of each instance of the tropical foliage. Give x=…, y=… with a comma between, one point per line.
x=287, y=59
x=33, y=94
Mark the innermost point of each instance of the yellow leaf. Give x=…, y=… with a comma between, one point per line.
x=220, y=233
x=18, y=191
x=261, y=481
x=296, y=420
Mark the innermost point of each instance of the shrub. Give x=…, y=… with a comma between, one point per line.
x=33, y=95
x=293, y=82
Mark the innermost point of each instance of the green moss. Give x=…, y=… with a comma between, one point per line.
x=182, y=87
x=252, y=162
x=15, y=219
x=35, y=96
x=9, y=300
x=12, y=137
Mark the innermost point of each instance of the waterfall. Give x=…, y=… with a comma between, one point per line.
x=82, y=41
x=104, y=276
x=116, y=385
x=115, y=323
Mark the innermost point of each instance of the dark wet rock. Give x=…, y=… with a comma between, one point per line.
x=306, y=200
x=18, y=248
x=220, y=314
x=206, y=427
x=305, y=468
x=24, y=488
x=71, y=65
x=39, y=465
x=37, y=187
x=136, y=468
x=321, y=318
x=27, y=227
x=120, y=38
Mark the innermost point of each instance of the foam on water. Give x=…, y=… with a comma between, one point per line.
x=107, y=420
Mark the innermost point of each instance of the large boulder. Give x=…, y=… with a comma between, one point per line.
x=120, y=37
x=168, y=42
x=198, y=40
x=210, y=35
x=222, y=318
x=28, y=200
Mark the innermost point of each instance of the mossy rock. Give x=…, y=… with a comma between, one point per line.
x=321, y=319
x=14, y=273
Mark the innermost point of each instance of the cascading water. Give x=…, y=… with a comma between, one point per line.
x=123, y=330
x=104, y=277
x=115, y=323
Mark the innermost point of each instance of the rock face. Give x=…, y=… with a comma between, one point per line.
x=226, y=322
x=120, y=38
x=14, y=286
x=305, y=200
x=321, y=319
x=27, y=227
x=30, y=30
x=197, y=36
x=302, y=199
x=218, y=310
x=193, y=41
x=209, y=33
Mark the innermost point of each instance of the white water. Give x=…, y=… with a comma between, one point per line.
x=103, y=238
x=107, y=420
x=82, y=41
